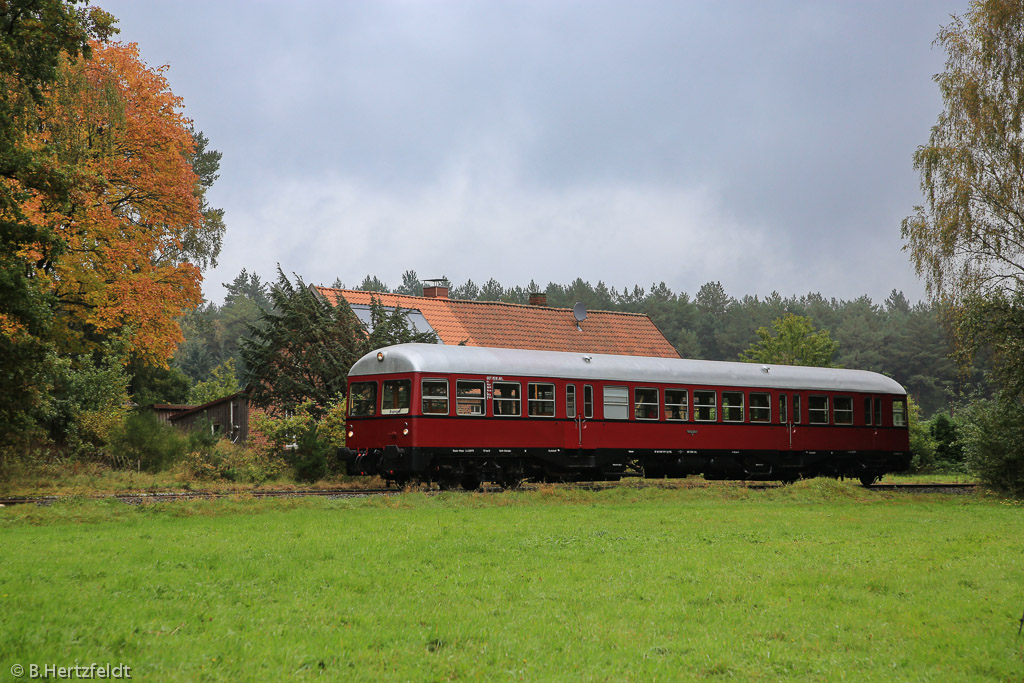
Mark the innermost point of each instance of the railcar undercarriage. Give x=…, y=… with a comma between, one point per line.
x=508, y=468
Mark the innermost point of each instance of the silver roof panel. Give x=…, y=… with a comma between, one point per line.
x=476, y=360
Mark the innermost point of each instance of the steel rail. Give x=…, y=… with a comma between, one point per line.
x=169, y=496
x=161, y=496
x=943, y=486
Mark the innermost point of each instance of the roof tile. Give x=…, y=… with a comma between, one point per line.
x=519, y=326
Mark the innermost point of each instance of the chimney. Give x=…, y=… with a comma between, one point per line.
x=538, y=299
x=435, y=292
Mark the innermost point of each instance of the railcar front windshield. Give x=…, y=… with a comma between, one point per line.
x=395, y=397
x=362, y=399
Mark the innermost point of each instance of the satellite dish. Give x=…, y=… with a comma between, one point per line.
x=579, y=311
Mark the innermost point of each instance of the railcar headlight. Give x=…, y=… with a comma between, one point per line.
x=405, y=432
x=350, y=433
x=380, y=356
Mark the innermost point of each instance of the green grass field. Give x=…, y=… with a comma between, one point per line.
x=817, y=581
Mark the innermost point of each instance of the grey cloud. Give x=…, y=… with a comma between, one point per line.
x=797, y=118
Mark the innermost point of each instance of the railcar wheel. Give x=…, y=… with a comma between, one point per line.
x=868, y=479
x=470, y=482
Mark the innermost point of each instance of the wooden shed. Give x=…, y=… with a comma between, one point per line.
x=228, y=416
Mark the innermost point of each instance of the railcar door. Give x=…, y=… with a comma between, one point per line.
x=873, y=418
x=579, y=410
x=791, y=416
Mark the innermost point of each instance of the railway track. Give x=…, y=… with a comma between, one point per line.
x=139, y=498
x=160, y=497
x=953, y=488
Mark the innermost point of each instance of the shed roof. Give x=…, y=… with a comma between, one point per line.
x=518, y=326
x=192, y=410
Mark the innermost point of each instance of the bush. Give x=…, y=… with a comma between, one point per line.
x=309, y=446
x=230, y=462
x=949, y=452
x=992, y=434
x=86, y=405
x=201, y=436
x=922, y=446
x=143, y=442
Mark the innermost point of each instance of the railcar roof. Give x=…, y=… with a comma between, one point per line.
x=476, y=360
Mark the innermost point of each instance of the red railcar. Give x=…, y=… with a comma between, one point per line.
x=462, y=415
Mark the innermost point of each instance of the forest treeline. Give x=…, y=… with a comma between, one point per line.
x=905, y=341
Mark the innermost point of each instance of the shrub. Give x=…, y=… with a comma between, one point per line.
x=992, y=434
x=332, y=424
x=86, y=404
x=309, y=446
x=201, y=466
x=143, y=442
x=247, y=465
x=310, y=455
x=230, y=462
x=949, y=452
x=922, y=446
x=201, y=436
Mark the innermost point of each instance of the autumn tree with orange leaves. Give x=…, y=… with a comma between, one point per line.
x=105, y=222
x=133, y=235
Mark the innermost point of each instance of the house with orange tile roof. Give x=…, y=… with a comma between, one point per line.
x=515, y=326
x=455, y=321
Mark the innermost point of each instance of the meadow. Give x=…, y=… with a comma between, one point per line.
x=821, y=580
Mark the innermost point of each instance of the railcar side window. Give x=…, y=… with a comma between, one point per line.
x=616, y=403
x=878, y=412
x=570, y=400
x=540, y=400
x=362, y=398
x=435, y=396
x=817, y=410
x=842, y=410
x=704, y=403
x=469, y=397
x=867, y=412
x=395, y=397
x=676, y=404
x=760, y=407
x=783, y=412
x=646, y=407
x=588, y=401
x=506, y=398
x=899, y=413
x=732, y=406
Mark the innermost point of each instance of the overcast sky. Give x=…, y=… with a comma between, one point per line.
x=766, y=145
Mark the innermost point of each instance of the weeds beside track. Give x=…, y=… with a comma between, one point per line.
x=142, y=497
